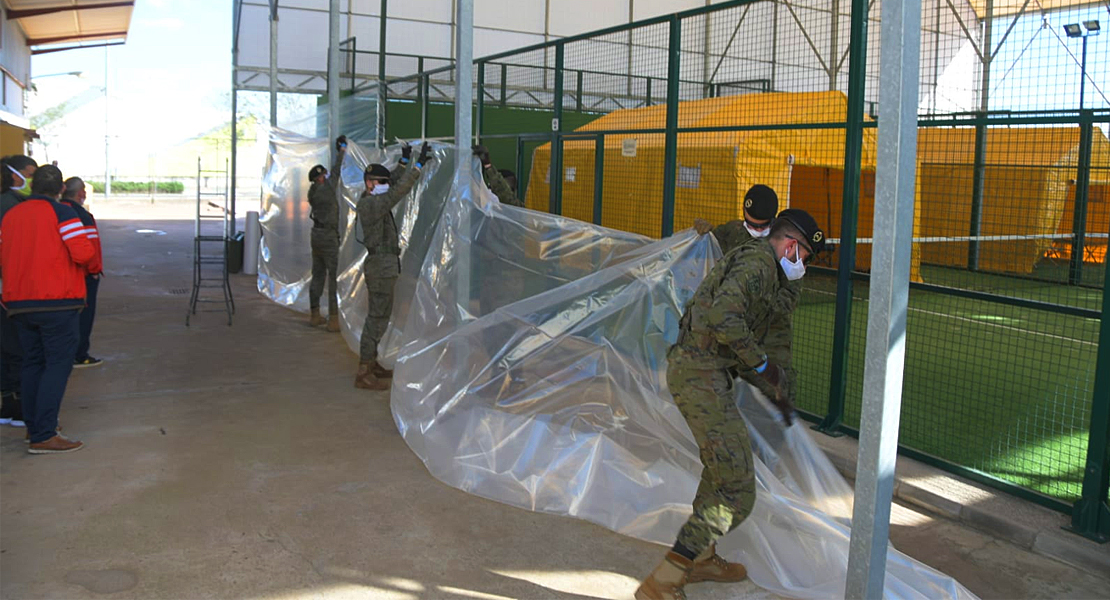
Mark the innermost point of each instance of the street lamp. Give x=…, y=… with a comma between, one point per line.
x=1089, y=28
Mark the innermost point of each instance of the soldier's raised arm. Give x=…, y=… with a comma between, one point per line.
x=402, y=165
x=372, y=208
x=337, y=165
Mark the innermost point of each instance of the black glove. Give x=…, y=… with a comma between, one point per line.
x=425, y=152
x=775, y=375
x=341, y=143
x=483, y=155
x=406, y=152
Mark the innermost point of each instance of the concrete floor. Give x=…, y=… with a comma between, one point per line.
x=241, y=463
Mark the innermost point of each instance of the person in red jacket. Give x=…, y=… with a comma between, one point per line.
x=74, y=197
x=44, y=250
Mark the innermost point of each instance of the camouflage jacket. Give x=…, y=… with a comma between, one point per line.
x=500, y=188
x=731, y=235
x=323, y=199
x=737, y=317
x=375, y=213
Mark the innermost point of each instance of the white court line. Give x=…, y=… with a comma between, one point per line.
x=979, y=322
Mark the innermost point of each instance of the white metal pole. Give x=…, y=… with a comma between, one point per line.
x=889, y=295
x=107, y=132
x=274, y=61
x=333, y=72
x=464, y=96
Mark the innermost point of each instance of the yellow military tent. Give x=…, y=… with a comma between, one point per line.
x=1028, y=196
x=788, y=150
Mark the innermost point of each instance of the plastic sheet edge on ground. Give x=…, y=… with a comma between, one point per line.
x=530, y=369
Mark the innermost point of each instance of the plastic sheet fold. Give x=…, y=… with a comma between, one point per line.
x=529, y=355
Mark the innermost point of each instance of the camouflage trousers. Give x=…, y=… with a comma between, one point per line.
x=726, y=493
x=325, y=269
x=380, y=280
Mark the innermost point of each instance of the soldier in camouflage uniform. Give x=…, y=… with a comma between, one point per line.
x=383, y=262
x=760, y=205
x=323, y=199
x=498, y=181
x=733, y=326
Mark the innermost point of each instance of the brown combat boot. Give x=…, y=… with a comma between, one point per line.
x=667, y=580
x=709, y=566
x=55, y=445
x=365, y=380
x=315, y=319
x=381, y=372
x=333, y=323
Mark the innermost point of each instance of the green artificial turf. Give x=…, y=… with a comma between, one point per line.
x=1001, y=389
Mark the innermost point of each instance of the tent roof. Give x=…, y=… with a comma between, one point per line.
x=808, y=146
x=47, y=22
x=1033, y=146
x=1004, y=8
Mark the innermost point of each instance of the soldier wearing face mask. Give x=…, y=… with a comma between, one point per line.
x=760, y=205
x=734, y=326
x=383, y=263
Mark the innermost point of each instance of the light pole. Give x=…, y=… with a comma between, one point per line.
x=1088, y=29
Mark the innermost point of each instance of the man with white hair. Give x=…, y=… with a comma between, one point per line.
x=74, y=196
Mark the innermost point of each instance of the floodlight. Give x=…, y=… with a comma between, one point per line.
x=1073, y=30
x=1092, y=27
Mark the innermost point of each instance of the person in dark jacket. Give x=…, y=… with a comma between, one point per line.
x=74, y=197
x=15, y=184
x=44, y=250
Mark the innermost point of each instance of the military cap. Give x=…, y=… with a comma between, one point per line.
x=761, y=202
x=376, y=171
x=315, y=172
x=814, y=237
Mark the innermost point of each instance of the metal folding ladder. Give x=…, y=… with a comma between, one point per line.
x=211, y=238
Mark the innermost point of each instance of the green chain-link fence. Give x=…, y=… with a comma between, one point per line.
x=647, y=126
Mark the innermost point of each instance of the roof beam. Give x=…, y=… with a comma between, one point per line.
x=70, y=38
x=34, y=12
x=64, y=48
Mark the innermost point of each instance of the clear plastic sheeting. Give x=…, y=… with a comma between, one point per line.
x=529, y=355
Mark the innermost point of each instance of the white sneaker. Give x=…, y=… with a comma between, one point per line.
x=5, y=421
x=17, y=423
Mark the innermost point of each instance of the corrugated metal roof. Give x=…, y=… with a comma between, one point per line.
x=47, y=22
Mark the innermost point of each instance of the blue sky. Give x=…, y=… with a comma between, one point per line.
x=170, y=81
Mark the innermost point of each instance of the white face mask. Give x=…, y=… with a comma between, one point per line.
x=757, y=233
x=794, y=269
x=379, y=188
x=26, y=183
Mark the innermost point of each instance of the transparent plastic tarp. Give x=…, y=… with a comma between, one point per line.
x=529, y=354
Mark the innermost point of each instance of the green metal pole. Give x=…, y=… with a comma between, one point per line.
x=1091, y=515
x=979, y=175
x=382, y=86
x=481, y=100
x=670, y=149
x=504, y=85
x=521, y=189
x=1082, y=196
x=578, y=93
x=555, y=202
x=599, y=176
x=849, y=217
x=425, y=87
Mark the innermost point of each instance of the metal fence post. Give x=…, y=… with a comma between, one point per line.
x=504, y=85
x=849, y=217
x=426, y=87
x=481, y=100
x=555, y=202
x=670, y=150
x=599, y=175
x=1082, y=197
x=1091, y=515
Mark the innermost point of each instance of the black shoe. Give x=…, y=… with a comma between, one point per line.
x=88, y=361
x=11, y=411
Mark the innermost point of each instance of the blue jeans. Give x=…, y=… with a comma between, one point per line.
x=49, y=341
x=92, y=284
